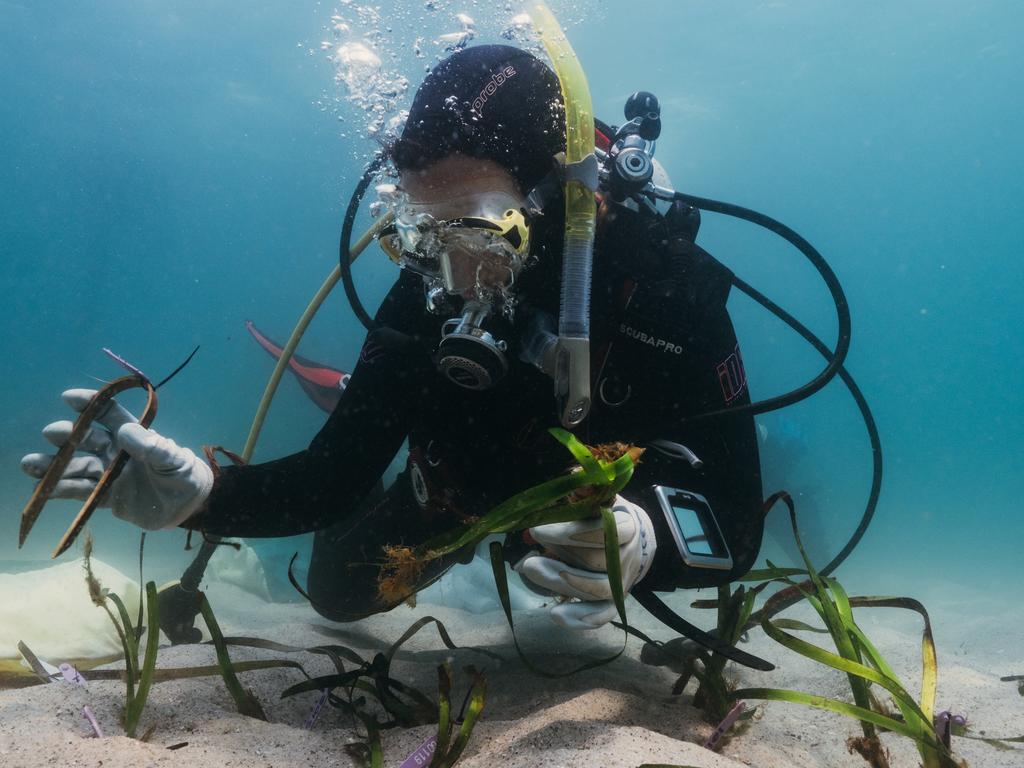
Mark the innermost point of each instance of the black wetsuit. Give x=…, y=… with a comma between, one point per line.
x=663, y=350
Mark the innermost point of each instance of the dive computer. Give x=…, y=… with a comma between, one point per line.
x=694, y=528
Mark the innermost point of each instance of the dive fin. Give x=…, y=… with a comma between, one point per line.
x=321, y=383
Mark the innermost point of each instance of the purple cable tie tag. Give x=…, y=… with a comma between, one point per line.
x=124, y=363
x=71, y=674
x=945, y=722
x=87, y=713
x=422, y=754
x=725, y=725
x=311, y=720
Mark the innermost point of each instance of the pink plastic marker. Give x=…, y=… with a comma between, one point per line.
x=124, y=363
x=946, y=725
x=92, y=721
x=727, y=723
x=421, y=756
x=311, y=720
x=71, y=674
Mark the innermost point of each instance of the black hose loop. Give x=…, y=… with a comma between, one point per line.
x=836, y=356
x=862, y=405
x=345, y=246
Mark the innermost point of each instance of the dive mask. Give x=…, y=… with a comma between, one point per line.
x=472, y=246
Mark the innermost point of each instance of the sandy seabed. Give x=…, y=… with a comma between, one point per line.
x=621, y=714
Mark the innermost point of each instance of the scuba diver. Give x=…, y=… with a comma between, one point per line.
x=482, y=135
x=459, y=361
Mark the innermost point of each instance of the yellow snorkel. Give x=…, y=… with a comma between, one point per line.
x=572, y=353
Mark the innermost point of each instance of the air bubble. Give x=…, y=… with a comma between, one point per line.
x=519, y=28
x=371, y=51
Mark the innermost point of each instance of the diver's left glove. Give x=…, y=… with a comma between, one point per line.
x=577, y=567
x=161, y=486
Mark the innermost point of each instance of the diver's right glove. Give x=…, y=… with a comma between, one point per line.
x=162, y=484
x=574, y=566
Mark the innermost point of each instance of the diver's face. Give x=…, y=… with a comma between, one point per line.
x=455, y=176
x=480, y=238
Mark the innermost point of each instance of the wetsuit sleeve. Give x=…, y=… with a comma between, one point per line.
x=677, y=351
x=316, y=487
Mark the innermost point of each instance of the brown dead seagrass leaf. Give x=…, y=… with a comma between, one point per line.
x=870, y=749
x=95, y=588
x=609, y=452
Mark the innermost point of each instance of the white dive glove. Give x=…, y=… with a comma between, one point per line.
x=162, y=484
x=581, y=571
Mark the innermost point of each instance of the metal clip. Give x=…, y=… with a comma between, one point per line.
x=572, y=380
x=586, y=172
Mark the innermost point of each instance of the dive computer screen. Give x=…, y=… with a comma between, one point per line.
x=694, y=528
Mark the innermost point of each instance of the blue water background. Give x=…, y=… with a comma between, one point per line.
x=170, y=170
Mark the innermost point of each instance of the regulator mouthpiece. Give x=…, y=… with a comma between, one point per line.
x=469, y=355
